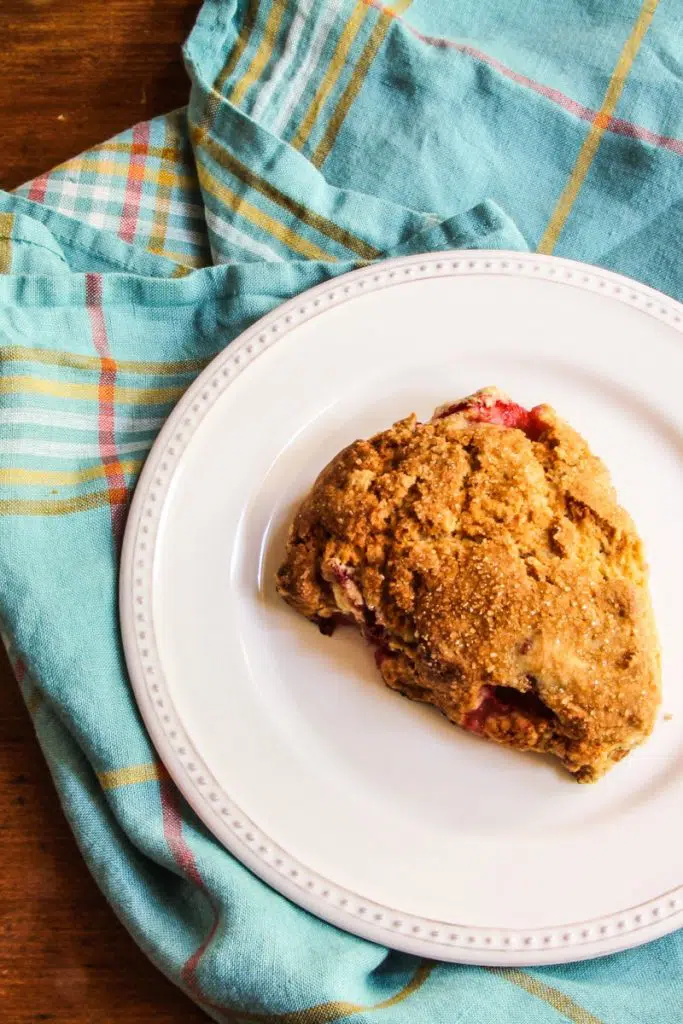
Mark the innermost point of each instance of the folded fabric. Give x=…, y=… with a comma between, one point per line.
x=318, y=136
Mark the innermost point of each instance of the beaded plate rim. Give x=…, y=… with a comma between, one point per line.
x=441, y=940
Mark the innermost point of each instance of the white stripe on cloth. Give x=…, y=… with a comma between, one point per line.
x=236, y=237
x=303, y=75
x=67, y=449
x=110, y=222
x=114, y=193
x=77, y=420
x=288, y=56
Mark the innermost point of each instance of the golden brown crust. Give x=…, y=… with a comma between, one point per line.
x=497, y=575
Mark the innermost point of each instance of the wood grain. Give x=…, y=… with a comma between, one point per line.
x=73, y=73
x=64, y=957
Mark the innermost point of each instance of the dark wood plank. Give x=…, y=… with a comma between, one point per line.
x=74, y=73
x=64, y=957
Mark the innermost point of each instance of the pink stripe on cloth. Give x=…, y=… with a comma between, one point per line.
x=108, y=448
x=184, y=858
x=116, y=481
x=578, y=109
x=616, y=124
x=440, y=43
x=635, y=131
x=134, y=182
x=39, y=188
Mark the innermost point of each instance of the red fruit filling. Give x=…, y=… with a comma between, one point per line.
x=504, y=700
x=372, y=632
x=376, y=636
x=328, y=624
x=504, y=414
x=382, y=651
x=341, y=573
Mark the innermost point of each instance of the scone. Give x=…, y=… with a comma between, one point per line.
x=485, y=557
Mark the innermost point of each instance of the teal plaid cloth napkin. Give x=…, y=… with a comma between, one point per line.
x=318, y=136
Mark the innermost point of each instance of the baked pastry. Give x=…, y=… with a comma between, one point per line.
x=485, y=557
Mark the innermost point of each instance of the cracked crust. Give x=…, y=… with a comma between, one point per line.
x=486, y=558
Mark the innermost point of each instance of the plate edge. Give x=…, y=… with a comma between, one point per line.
x=529, y=953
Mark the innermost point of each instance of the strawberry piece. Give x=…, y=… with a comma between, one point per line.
x=505, y=700
x=482, y=408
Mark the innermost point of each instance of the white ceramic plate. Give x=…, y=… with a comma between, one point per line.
x=368, y=809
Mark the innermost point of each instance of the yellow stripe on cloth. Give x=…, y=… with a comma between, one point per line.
x=240, y=46
x=328, y=1013
x=564, y=1004
x=62, y=506
x=172, y=154
x=68, y=389
x=16, y=477
x=34, y=701
x=313, y=220
x=162, y=201
x=263, y=53
x=260, y=219
x=331, y=76
x=598, y=127
x=130, y=776
x=6, y=225
x=348, y=97
x=181, y=270
x=200, y=135
x=79, y=361
x=166, y=176
x=186, y=262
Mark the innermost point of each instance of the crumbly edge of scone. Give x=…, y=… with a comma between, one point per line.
x=323, y=580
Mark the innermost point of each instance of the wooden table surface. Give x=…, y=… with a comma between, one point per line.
x=74, y=73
